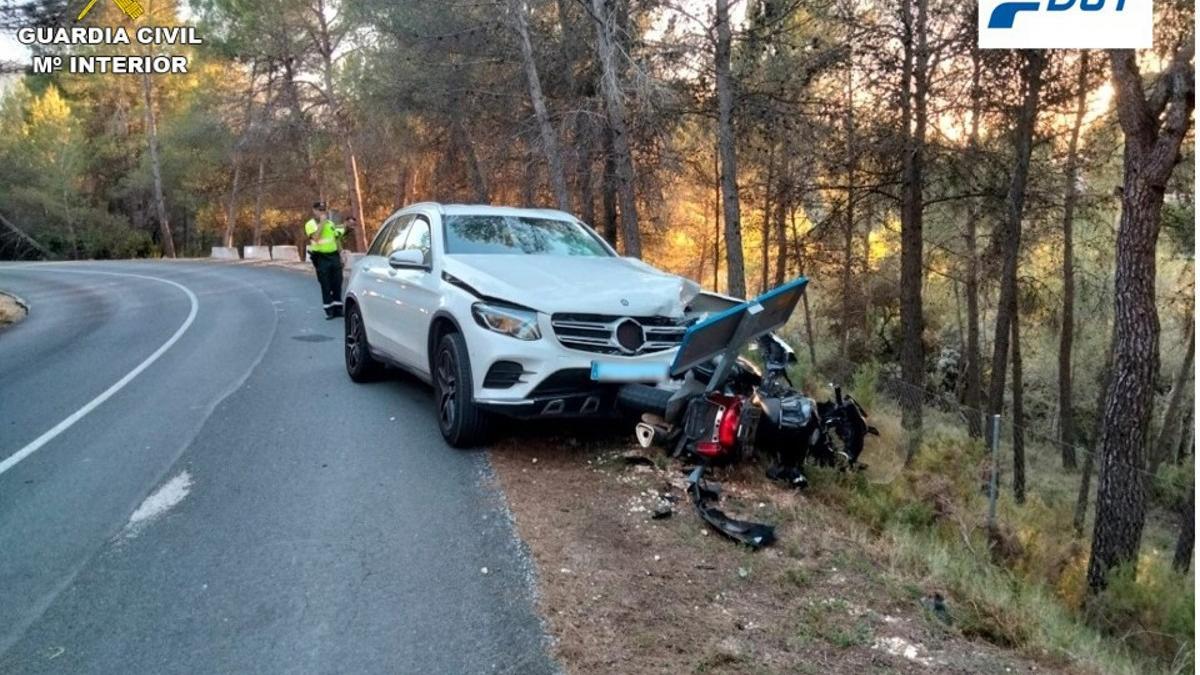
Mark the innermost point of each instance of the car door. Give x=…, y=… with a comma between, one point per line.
x=419, y=297
x=380, y=288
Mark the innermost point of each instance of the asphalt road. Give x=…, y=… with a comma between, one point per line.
x=189, y=482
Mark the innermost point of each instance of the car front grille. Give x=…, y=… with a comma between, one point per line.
x=621, y=335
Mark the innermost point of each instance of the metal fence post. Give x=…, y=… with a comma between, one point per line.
x=993, y=487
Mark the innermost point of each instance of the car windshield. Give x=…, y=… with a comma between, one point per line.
x=519, y=235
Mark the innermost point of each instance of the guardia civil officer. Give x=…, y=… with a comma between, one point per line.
x=324, y=244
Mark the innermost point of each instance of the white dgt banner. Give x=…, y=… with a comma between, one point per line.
x=1066, y=24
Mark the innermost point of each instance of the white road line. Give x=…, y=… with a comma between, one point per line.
x=91, y=405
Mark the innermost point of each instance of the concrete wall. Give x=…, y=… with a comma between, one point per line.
x=224, y=253
x=289, y=253
x=256, y=252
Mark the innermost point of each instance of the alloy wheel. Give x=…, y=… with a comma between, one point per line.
x=354, y=342
x=447, y=388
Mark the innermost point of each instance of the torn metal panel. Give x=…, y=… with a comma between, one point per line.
x=754, y=535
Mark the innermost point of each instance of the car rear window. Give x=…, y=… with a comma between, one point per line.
x=512, y=235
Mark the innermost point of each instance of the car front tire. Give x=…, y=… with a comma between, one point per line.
x=462, y=423
x=360, y=365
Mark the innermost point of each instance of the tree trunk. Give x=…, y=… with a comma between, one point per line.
x=1018, y=425
x=609, y=197
x=554, y=162
x=583, y=169
x=1151, y=152
x=614, y=105
x=529, y=185
x=160, y=204
x=356, y=202
x=1186, y=542
x=1010, y=234
x=782, y=198
x=735, y=272
x=915, y=89
x=1168, y=434
x=479, y=184
x=766, y=220
x=808, y=327
x=1188, y=438
x=717, y=221
x=256, y=238
x=326, y=47
x=1089, y=457
x=403, y=178
x=300, y=128
x=23, y=236
x=974, y=385
x=231, y=206
x=1066, y=405
x=848, y=233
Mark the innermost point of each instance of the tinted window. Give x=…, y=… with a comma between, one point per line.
x=510, y=235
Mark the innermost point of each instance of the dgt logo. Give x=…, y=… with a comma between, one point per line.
x=1006, y=12
x=1065, y=24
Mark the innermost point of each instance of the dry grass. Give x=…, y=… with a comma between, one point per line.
x=622, y=592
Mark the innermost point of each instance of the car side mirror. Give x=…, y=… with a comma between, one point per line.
x=407, y=259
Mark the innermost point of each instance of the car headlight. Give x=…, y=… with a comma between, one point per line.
x=518, y=323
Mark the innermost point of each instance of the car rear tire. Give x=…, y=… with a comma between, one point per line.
x=360, y=365
x=462, y=423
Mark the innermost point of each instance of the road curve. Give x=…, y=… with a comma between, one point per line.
x=190, y=483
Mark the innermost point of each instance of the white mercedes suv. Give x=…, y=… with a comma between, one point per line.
x=506, y=311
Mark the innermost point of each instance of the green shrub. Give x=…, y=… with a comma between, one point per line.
x=864, y=384
x=1171, y=484
x=1152, y=611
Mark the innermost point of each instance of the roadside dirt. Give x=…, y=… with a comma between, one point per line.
x=11, y=311
x=623, y=592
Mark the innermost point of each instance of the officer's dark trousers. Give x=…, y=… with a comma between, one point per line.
x=329, y=274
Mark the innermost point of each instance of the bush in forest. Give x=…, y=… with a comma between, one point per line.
x=1152, y=611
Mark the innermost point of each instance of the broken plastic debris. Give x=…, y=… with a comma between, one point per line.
x=483, y=570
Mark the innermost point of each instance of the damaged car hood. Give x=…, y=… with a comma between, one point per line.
x=615, y=286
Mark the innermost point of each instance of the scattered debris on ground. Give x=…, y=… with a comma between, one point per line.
x=651, y=593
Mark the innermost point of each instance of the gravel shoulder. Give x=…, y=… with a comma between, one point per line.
x=12, y=310
x=624, y=592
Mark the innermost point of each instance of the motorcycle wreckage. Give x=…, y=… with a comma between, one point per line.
x=718, y=408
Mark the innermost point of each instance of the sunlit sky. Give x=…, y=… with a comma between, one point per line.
x=690, y=11
x=11, y=50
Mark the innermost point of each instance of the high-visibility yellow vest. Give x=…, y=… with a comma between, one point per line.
x=329, y=239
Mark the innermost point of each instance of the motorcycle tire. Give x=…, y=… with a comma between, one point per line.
x=643, y=398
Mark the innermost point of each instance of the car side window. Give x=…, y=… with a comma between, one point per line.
x=419, y=238
x=382, y=236
x=394, y=240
